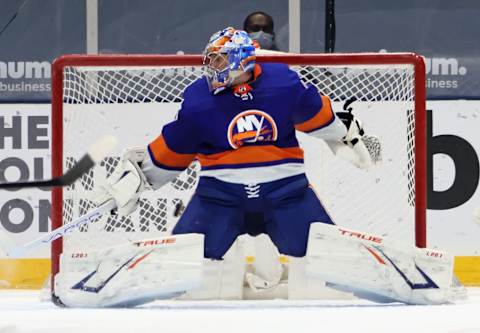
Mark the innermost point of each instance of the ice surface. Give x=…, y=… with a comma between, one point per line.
x=22, y=311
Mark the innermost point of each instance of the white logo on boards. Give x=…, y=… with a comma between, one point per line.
x=25, y=70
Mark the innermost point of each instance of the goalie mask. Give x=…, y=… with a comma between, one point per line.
x=228, y=54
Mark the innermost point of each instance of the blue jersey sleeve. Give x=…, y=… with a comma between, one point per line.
x=177, y=146
x=180, y=135
x=307, y=99
x=311, y=110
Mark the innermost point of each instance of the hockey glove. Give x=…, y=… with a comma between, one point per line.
x=367, y=147
x=126, y=183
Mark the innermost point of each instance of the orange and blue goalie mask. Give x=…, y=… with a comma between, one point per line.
x=228, y=54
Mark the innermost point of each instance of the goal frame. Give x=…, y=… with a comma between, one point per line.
x=146, y=60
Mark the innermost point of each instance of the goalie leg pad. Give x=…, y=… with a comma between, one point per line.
x=131, y=274
x=377, y=268
x=222, y=279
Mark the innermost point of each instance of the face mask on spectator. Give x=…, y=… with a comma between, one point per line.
x=264, y=39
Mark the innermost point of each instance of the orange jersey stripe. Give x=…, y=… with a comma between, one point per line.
x=167, y=157
x=323, y=117
x=248, y=59
x=257, y=71
x=250, y=134
x=250, y=154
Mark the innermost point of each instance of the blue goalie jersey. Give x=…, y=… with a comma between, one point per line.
x=252, y=177
x=245, y=134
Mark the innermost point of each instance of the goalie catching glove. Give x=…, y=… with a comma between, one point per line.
x=367, y=148
x=126, y=183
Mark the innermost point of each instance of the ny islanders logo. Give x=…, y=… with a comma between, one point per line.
x=251, y=126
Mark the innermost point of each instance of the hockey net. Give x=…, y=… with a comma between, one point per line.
x=132, y=97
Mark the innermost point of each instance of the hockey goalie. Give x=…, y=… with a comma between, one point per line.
x=239, y=121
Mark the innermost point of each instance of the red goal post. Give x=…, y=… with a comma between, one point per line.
x=388, y=63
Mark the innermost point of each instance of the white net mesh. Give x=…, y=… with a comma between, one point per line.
x=133, y=103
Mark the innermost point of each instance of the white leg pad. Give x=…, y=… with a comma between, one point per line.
x=264, y=269
x=303, y=286
x=377, y=268
x=131, y=274
x=222, y=279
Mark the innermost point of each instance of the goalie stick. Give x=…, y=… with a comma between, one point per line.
x=96, y=152
x=63, y=230
x=12, y=250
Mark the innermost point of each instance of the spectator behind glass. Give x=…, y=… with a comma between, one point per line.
x=259, y=26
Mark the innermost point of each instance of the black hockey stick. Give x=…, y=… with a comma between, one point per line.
x=96, y=152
